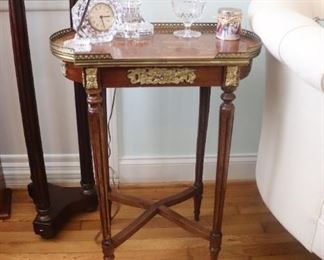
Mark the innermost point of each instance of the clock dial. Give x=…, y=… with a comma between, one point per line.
x=101, y=17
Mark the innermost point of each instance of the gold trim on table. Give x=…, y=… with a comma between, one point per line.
x=89, y=77
x=106, y=60
x=161, y=76
x=232, y=76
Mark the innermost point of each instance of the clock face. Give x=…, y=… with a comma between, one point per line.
x=101, y=17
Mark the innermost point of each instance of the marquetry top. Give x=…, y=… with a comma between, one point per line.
x=162, y=49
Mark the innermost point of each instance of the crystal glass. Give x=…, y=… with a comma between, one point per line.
x=133, y=24
x=188, y=11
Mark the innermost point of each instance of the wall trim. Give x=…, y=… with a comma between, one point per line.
x=65, y=169
x=60, y=168
x=181, y=168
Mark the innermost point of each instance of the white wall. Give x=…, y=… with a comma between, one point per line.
x=54, y=93
x=156, y=127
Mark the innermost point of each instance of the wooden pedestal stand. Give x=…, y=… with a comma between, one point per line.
x=54, y=204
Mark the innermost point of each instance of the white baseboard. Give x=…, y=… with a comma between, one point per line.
x=65, y=169
x=181, y=168
x=60, y=168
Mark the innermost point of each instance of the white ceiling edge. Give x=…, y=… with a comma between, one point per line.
x=39, y=5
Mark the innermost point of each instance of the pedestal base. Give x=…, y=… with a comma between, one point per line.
x=6, y=207
x=66, y=201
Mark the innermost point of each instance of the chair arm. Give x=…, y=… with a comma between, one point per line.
x=294, y=39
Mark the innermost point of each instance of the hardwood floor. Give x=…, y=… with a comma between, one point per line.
x=250, y=231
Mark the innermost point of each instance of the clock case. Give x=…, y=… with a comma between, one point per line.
x=85, y=33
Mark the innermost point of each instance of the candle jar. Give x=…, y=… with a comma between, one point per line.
x=229, y=24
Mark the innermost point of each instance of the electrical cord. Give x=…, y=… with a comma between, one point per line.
x=109, y=120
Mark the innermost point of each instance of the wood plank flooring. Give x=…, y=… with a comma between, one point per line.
x=250, y=231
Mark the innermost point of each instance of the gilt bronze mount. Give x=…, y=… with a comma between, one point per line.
x=161, y=76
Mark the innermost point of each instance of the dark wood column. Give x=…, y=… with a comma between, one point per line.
x=5, y=197
x=87, y=177
x=81, y=107
x=204, y=104
x=25, y=81
x=54, y=204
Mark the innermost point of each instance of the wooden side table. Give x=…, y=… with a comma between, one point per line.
x=161, y=61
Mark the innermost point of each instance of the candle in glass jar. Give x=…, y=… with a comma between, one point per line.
x=229, y=24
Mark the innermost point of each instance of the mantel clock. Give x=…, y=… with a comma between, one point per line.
x=96, y=21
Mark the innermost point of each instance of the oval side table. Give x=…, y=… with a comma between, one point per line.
x=161, y=61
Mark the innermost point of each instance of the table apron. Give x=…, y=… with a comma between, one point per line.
x=118, y=77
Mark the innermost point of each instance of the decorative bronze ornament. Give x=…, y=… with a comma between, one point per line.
x=232, y=76
x=89, y=77
x=161, y=76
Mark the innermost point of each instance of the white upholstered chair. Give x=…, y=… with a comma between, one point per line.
x=290, y=166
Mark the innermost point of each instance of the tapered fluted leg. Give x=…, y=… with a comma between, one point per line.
x=204, y=103
x=226, y=118
x=98, y=136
